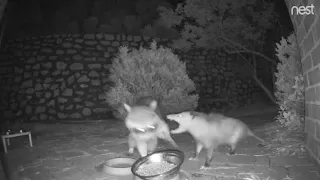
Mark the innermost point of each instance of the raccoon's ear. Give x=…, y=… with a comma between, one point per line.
x=127, y=107
x=153, y=104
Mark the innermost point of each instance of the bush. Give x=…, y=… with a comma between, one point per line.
x=155, y=72
x=289, y=83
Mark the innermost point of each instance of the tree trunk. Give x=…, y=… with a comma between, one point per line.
x=263, y=87
x=273, y=78
x=3, y=5
x=3, y=165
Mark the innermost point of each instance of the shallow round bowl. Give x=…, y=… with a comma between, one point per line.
x=172, y=156
x=117, y=166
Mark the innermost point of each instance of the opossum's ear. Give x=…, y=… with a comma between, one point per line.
x=127, y=107
x=153, y=105
x=192, y=114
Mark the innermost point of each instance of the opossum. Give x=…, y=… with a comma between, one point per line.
x=210, y=131
x=146, y=125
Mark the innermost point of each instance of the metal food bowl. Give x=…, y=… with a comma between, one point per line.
x=172, y=156
x=116, y=166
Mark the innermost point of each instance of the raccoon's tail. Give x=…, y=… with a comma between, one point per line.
x=250, y=133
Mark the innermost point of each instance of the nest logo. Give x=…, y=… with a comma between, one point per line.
x=302, y=10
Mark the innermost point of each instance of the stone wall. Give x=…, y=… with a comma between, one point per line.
x=65, y=76
x=307, y=28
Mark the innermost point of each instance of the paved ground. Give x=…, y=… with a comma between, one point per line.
x=72, y=154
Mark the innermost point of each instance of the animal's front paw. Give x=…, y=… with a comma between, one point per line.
x=205, y=167
x=192, y=158
x=130, y=152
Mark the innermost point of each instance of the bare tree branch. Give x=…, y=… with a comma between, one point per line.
x=255, y=78
x=245, y=50
x=241, y=55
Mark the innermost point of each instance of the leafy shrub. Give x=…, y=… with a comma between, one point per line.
x=155, y=72
x=289, y=83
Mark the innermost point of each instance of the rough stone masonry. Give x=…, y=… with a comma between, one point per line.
x=66, y=76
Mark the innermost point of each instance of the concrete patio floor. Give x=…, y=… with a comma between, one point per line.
x=72, y=154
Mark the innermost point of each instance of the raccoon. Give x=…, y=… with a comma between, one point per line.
x=210, y=131
x=135, y=142
x=146, y=125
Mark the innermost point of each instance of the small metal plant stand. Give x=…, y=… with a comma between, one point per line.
x=6, y=139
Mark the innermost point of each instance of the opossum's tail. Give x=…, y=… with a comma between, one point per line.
x=250, y=133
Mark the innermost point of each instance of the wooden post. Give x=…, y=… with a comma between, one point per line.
x=2, y=174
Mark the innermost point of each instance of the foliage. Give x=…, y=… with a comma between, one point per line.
x=215, y=23
x=234, y=26
x=147, y=9
x=159, y=32
x=283, y=141
x=37, y=16
x=289, y=83
x=155, y=72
